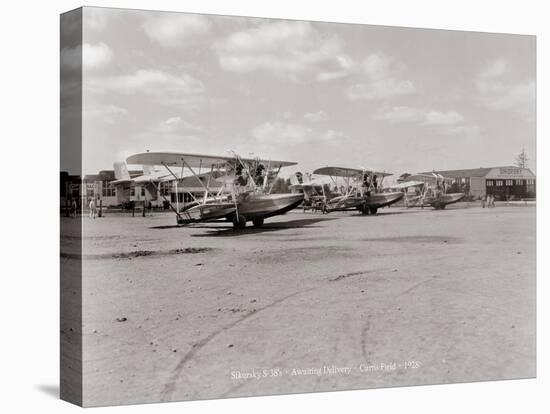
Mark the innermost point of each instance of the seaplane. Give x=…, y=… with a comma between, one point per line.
x=150, y=180
x=359, y=189
x=241, y=193
x=315, y=191
x=428, y=190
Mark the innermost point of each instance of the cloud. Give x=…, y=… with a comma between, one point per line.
x=87, y=56
x=401, y=114
x=318, y=116
x=443, y=118
x=96, y=18
x=334, y=75
x=96, y=56
x=406, y=114
x=177, y=124
x=501, y=91
x=277, y=132
x=283, y=48
x=343, y=67
x=332, y=136
x=378, y=79
x=293, y=50
x=168, y=88
x=292, y=133
x=173, y=30
x=464, y=130
x=446, y=122
x=106, y=114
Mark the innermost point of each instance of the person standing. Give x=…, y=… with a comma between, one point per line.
x=92, y=208
x=73, y=208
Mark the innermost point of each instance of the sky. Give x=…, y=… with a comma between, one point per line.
x=393, y=99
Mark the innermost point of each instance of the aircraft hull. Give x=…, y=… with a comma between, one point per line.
x=436, y=202
x=267, y=205
x=378, y=200
x=206, y=212
x=443, y=200
x=250, y=206
x=345, y=203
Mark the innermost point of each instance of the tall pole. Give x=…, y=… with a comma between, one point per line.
x=177, y=198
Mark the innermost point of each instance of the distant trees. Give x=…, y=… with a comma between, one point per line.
x=281, y=186
x=521, y=159
x=403, y=177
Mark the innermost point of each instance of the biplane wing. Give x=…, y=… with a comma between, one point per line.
x=195, y=160
x=215, y=175
x=407, y=184
x=347, y=172
x=424, y=176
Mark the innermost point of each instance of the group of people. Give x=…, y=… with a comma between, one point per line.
x=369, y=184
x=72, y=210
x=257, y=174
x=488, y=200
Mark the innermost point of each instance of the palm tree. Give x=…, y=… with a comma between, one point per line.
x=521, y=159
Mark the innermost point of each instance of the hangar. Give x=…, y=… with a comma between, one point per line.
x=505, y=183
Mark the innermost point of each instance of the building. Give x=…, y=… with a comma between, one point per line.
x=505, y=183
x=99, y=187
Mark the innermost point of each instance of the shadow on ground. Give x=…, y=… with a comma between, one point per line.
x=228, y=230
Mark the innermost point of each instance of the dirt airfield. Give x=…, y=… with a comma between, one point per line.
x=309, y=302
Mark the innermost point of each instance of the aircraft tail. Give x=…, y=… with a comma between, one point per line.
x=121, y=171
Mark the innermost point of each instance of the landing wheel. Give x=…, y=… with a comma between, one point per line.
x=239, y=222
x=373, y=210
x=364, y=209
x=258, y=221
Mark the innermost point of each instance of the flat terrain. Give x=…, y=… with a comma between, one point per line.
x=307, y=303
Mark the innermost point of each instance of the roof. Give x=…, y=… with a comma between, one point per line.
x=471, y=172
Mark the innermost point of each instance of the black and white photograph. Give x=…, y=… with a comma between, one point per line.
x=254, y=206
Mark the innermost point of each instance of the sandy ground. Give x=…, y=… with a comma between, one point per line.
x=307, y=303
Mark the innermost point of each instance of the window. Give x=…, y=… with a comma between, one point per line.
x=165, y=188
x=143, y=191
x=509, y=182
x=499, y=183
x=107, y=190
x=188, y=197
x=490, y=183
